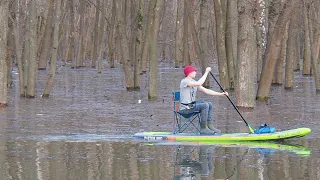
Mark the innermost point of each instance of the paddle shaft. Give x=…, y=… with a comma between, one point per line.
x=235, y=107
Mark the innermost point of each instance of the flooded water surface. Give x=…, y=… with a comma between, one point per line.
x=85, y=131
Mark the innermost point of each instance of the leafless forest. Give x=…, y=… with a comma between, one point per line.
x=256, y=43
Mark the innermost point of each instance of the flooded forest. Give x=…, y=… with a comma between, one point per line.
x=79, y=77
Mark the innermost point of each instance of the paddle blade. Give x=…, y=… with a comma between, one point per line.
x=250, y=129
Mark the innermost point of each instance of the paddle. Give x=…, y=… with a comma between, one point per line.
x=235, y=107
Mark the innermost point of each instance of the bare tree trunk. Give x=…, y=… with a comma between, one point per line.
x=42, y=65
x=43, y=24
x=315, y=56
x=31, y=88
x=273, y=50
x=18, y=47
x=111, y=44
x=66, y=49
x=9, y=52
x=138, y=44
x=124, y=47
x=80, y=56
x=220, y=17
x=310, y=23
x=193, y=30
x=247, y=54
x=278, y=72
x=204, y=26
x=100, y=36
x=291, y=57
x=316, y=14
x=4, y=9
x=26, y=56
x=261, y=27
x=273, y=11
x=55, y=45
x=296, y=65
x=307, y=45
x=96, y=37
x=72, y=32
x=185, y=49
x=153, y=70
x=86, y=39
x=229, y=46
x=234, y=29
x=146, y=40
x=177, y=54
x=132, y=21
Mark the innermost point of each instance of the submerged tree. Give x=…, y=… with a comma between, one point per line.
x=220, y=17
x=204, y=25
x=153, y=70
x=55, y=45
x=32, y=49
x=247, y=55
x=124, y=46
x=46, y=38
x=274, y=49
x=292, y=54
x=4, y=7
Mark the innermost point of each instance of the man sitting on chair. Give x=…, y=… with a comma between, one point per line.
x=188, y=103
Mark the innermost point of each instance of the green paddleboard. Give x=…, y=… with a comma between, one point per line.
x=293, y=133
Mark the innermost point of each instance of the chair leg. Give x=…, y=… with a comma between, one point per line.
x=177, y=125
x=190, y=125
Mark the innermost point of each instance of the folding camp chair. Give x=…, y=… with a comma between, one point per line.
x=188, y=123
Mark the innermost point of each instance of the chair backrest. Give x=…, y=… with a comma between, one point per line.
x=176, y=100
x=184, y=122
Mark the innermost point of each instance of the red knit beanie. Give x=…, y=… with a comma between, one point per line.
x=187, y=70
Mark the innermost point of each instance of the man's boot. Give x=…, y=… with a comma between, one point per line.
x=204, y=130
x=210, y=126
